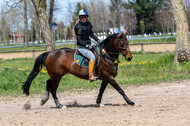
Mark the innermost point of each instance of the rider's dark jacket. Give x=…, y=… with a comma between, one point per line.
x=83, y=31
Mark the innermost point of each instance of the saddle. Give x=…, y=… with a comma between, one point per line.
x=83, y=61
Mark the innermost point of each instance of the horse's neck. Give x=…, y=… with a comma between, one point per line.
x=110, y=48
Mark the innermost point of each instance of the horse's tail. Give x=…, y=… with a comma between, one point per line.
x=40, y=60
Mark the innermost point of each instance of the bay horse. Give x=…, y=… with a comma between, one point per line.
x=61, y=62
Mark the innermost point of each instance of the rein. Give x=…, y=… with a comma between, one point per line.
x=109, y=58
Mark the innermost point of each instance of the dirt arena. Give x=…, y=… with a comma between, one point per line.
x=166, y=104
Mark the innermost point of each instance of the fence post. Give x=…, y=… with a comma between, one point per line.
x=142, y=47
x=33, y=53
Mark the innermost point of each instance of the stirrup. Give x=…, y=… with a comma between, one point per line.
x=92, y=78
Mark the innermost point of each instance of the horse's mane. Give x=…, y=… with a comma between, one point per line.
x=65, y=48
x=107, y=40
x=113, y=36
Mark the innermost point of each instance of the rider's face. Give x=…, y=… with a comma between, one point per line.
x=83, y=18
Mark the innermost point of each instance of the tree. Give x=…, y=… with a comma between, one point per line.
x=40, y=7
x=142, y=26
x=50, y=20
x=25, y=24
x=60, y=31
x=99, y=16
x=103, y=16
x=145, y=10
x=94, y=16
x=76, y=12
x=164, y=18
x=13, y=14
x=182, y=51
x=187, y=6
x=115, y=8
x=3, y=26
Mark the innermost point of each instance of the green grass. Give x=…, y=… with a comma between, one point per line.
x=143, y=69
x=173, y=39
x=154, y=68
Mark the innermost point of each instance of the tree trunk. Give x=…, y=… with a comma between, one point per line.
x=51, y=11
x=41, y=13
x=3, y=25
x=25, y=24
x=37, y=33
x=182, y=51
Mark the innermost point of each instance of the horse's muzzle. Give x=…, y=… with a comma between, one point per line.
x=129, y=58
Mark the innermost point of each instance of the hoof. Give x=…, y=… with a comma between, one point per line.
x=101, y=105
x=59, y=106
x=43, y=101
x=131, y=103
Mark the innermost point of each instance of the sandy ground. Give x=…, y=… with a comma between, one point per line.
x=147, y=48
x=166, y=104
x=156, y=48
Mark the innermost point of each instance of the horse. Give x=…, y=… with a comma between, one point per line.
x=61, y=62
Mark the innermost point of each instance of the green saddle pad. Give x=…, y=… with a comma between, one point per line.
x=82, y=61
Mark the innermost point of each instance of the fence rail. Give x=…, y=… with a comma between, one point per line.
x=22, y=51
x=153, y=43
x=15, y=51
x=37, y=50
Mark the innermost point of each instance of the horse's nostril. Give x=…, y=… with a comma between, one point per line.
x=129, y=59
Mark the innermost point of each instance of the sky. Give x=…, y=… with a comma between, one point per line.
x=1, y=1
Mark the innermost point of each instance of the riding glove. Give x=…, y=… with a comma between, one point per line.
x=90, y=47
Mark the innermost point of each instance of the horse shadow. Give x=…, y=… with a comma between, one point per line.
x=93, y=105
x=83, y=106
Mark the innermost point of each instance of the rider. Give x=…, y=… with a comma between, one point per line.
x=83, y=29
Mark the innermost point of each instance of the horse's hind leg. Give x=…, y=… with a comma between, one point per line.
x=48, y=89
x=55, y=83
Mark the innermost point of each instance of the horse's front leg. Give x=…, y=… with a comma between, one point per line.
x=101, y=91
x=118, y=88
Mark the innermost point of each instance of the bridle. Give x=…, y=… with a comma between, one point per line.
x=122, y=46
x=110, y=55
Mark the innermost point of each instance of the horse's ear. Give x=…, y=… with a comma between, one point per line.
x=119, y=35
x=126, y=31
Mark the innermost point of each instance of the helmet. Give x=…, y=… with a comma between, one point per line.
x=83, y=12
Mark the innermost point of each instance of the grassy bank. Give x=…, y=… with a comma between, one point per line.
x=161, y=40
x=143, y=69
